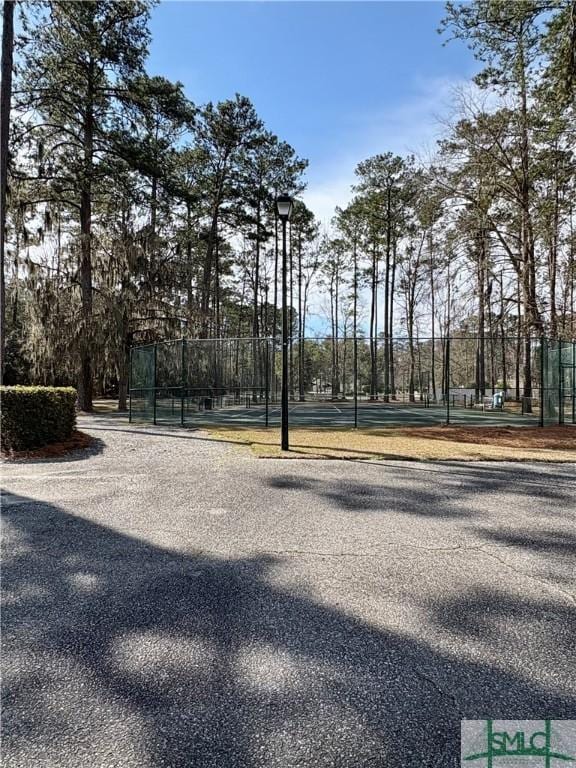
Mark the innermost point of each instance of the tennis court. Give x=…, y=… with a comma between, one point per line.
x=334, y=415
x=334, y=383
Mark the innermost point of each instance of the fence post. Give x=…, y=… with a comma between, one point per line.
x=447, y=393
x=154, y=387
x=130, y=388
x=560, y=385
x=542, y=380
x=267, y=380
x=183, y=381
x=574, y=382
x=355, y=367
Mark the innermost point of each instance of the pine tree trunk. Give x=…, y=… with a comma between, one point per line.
x=217, y=332
x=527, y=234
x=124, y=372
x=445, y=338
x=491, y=348
x=153, y=217
x=85, y=384
x=553, y=261
x=275, y=311
x=304, y=311
x=255, y=325
x=386, y=300
x=503, y=337
x=208, y=259
x=527, y=363
x=301, y=330
x=373, y=330
x=343, y=381
x=420, y=378
x=410, y=329
x=291, y=315
x=239, y=329
x=355, y=329
x=480, y=384
x=5, y=101
x=391, y=323
x=518, y=342
x=333, y=338
x=189, y=265
x=433, y=323
x=571, y=271
x=411, y=387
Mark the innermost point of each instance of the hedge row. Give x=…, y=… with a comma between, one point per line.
x=36, y=416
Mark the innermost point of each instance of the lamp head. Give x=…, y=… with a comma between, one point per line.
x=284, y=206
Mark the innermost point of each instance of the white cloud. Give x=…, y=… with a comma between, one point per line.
x=323, y=197
x=412, y=126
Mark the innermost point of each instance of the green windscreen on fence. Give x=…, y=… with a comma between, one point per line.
x=558, y=381
x=142, y=383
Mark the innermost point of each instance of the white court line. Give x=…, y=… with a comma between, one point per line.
x=216, y=413
x=238, y=415
x=401, y=411
x=263, y=415
x=326, y=408
x=250, y=412
x=278, y=410
x=316, y=411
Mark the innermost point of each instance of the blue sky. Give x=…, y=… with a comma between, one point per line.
x=340, y=81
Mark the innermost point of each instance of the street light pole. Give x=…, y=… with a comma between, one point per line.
x=284, y=406
x=284, y=207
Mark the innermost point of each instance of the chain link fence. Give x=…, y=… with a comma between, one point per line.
x=356, y=382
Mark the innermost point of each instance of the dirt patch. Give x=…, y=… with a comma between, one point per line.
x=78, y=441
x=560, y=438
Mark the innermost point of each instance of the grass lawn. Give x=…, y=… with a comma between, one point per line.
x=419, y=443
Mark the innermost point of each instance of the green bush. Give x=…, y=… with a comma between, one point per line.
x=36, y=416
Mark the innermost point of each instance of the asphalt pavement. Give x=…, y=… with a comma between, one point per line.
x=170, y=600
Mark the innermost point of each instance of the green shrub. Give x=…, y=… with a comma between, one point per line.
x=36, y=416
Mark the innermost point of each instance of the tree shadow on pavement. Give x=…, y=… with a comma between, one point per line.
x=426, y=499
x=118, y=652
x=559, y=542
